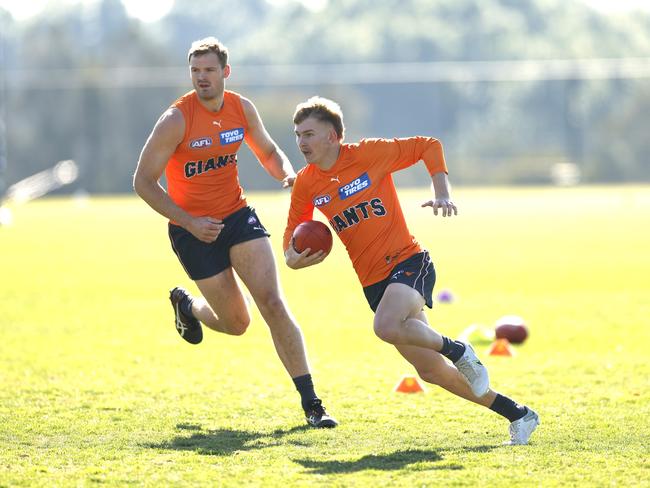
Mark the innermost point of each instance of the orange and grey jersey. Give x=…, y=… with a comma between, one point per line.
x=358, y=197
x=202, y=175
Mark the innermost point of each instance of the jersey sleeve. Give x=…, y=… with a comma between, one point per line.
x=300, y=210
x=395, y=154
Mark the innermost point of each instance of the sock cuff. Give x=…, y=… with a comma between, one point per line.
x=303, y=381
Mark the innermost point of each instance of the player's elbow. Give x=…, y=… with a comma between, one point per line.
x=137, y=186
x=273, y=170
x=140, y=183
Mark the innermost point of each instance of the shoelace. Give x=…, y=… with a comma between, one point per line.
x=516, y=430
x=316, y=408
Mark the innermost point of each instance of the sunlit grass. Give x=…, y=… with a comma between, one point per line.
x=98, y=388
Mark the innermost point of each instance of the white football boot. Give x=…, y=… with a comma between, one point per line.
x=522, y=429
x=472, y=369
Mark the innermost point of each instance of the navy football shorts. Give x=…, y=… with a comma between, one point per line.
x=201, y=259
x=417, y=272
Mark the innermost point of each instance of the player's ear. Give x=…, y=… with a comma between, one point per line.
x=226, y=71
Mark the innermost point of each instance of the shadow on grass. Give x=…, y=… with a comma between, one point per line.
x=485, y=448
x=384, y=462
x=227, y=442
x=223, y=442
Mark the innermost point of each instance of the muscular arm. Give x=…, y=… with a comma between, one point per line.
x=270, y=156
x=161, y=144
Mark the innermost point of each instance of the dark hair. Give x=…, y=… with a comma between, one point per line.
x=324, y=110
x=209, y=45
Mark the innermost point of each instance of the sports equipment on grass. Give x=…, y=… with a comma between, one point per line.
x=501, y=347
x=187, y=326
x=314, y=235
x=511, y=327
x=478, y=334
x=445, y=296
x=409, y=384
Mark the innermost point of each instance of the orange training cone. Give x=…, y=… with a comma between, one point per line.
x=501, y=347
x=409, y=384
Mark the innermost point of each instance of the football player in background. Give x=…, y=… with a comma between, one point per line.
x=213, y=231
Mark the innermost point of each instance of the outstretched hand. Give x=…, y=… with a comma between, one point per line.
x=447, y=206
x=296, y=260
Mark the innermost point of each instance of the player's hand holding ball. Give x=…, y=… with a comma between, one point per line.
x=310, y=244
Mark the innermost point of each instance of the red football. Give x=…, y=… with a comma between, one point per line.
x=512, y=328
x=312, y=234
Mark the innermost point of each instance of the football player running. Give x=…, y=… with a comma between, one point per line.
x=213, y=231
x=351, y=184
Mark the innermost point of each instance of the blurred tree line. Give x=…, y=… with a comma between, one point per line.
x=87, y=83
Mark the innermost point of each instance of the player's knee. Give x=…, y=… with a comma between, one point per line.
x=238, y=325
x=430, y=376
x=386, y=330
x=271, y=306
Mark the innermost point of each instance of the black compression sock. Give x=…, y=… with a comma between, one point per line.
x=509, y=409
x=305, y=387
x=452, y=349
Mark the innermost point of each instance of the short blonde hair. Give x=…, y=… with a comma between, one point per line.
x=209, y=45
x=324, y=110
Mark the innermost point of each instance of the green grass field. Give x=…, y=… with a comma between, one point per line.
x=98, y=389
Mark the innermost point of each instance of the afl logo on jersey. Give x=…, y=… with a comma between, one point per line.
x=201, y=142
x=231, y=136
x=322, y=200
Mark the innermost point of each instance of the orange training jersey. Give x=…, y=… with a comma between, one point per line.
x=202, y=176
x=358, y=197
